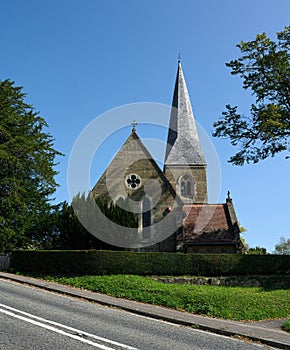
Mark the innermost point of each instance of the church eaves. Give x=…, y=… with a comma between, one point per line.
x=183, y=146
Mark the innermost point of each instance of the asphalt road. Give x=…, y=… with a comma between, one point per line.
x=32, y=318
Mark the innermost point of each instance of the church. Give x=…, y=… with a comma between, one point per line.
x=171, y=204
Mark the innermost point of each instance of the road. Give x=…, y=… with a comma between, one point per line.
x=32, y=318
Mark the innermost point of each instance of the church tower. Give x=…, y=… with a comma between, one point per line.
x=184, y=164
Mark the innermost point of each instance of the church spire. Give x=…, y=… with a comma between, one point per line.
x=183, y=147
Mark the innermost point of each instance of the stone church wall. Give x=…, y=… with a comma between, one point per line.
x=198, y=173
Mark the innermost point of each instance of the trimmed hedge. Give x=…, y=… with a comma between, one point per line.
x=96, y=262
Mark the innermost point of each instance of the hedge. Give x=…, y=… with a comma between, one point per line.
x=96, y=262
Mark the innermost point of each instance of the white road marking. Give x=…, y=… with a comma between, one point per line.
x=44, y=323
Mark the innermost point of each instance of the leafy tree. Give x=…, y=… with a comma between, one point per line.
x=99, y=217
x=117, y=214
x=61, y=228
x=257, y=251
x=243, y=230
x=264, y=67
x=283, y=247
x=71, y=233
x=27, y=160
x=83, y=208
x=45, y=233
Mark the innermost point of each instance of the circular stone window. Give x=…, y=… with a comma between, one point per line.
x=133, y=181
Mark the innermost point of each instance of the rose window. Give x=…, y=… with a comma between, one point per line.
x=133, y=181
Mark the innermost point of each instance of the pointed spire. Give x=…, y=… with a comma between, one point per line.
x=183, y=147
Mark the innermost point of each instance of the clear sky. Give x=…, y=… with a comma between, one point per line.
x=77, y=59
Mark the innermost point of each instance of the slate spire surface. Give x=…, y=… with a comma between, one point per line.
x=183, y=146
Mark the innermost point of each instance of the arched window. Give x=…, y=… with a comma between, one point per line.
x=146, y=218
x=186, y=186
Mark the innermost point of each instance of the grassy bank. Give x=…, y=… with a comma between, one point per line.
x=236, y=303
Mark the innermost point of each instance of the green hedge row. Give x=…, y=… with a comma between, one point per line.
x=95, y=262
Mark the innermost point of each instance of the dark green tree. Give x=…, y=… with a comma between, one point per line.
x=71, y=233
x=45, y=232
x=27, y=175
x=117, y=214
x=61, y=228
x=264, y=67
x=100, y=216
x=257, y=251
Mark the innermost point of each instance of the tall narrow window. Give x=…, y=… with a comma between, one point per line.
x=189, y=191
x=146, y=218
x=182, y=188
x=186, y=186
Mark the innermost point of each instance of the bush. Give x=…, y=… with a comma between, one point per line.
x=97, y=262
x=286, y=326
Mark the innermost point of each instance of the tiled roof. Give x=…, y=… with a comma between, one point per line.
x=208, y=223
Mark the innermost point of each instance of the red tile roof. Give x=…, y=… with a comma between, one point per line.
x=207, y=223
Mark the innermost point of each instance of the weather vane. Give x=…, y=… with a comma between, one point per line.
x=179, y=58
x=134, y=124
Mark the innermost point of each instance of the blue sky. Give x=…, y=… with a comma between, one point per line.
x=77, y=59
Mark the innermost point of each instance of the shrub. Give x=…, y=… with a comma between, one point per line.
x=97, y=262
x=286, y=326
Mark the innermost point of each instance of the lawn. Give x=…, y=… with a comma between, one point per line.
x=235, y=303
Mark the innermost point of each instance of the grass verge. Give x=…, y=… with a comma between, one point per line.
x=235, y=303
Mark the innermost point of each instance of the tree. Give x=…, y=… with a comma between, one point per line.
x=61, y=227
x=45, y=232
x=257, y=251
x=70, y=233
x=106, y=220
x=27, y=160
x=265, y=69
x=117, y=214
x=243, y=230
x=283, y=247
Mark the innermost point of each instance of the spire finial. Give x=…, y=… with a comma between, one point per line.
x=179, y=58
x=134, y=124
x=229, y=195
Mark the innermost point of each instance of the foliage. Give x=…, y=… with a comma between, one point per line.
x=45, y=233
x=72, y=234
x=283, y=247
x=123, y=262
x=107, y=220
x=286, y=326
x=117, y=214
x=257, y=250
x=61, y=227
x=27, y=160
x=234, y=303
x=243, y=230
x=264, y=66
